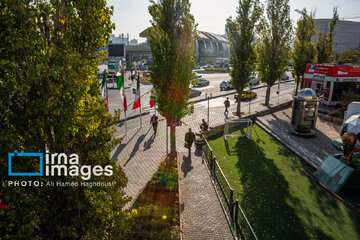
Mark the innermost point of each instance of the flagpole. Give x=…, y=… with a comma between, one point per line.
x=125, y=123
x=140, y=99
x=123, y=75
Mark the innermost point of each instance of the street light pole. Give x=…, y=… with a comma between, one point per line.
x=278, y=92
x=250, y=98
x=208, y=112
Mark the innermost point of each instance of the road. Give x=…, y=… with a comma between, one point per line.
x=216, y=105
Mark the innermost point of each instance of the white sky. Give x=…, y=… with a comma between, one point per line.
x=132, y=16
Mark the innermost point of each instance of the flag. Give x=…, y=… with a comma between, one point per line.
x=120, y=85
x=104, y=94
x=137, y=95
x=152, y=99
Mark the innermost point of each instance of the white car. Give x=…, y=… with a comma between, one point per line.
x=253, y=80
x=284, y=78
x=224, y=85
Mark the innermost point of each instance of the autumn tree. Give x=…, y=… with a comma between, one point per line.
x=273, y=46
x=304, y=51
x=325, y=42
x=171, y=40
x=50, y=101
x=241, y=35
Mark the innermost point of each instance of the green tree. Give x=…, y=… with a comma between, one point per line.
x=325, y=42
x=304, y=51
x=49, y=100
x=171, y=40
x=241, y=35
x=273, y=46
x=349, y=56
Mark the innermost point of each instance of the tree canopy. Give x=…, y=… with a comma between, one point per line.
x=241, y=35
x=304, y=51
x=273, y=46
x=171, y=40
x=50, y=101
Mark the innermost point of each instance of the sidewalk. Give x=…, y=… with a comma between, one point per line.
x=315, y=149
x=202, y=215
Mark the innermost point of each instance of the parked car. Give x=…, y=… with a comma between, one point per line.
x=198, y=75
x=221, y=63
x=194, y=93
x=284, y=78
x=224, y=85
x=246, y=95
x=201, y=82
x=253, y=80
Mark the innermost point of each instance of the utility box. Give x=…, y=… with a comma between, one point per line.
x=305, y=109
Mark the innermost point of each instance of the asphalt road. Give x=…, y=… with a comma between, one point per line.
x=216, y=104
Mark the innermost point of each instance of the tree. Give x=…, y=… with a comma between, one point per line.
x=241, y=35
x=304, y=51
x=273, y=46
x=171, y=40
x=325, y=42
x=49, y=100
x=349, y=56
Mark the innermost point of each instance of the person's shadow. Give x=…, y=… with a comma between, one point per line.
x=186, y=165
x=147, y=144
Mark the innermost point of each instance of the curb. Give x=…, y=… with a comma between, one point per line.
x=133, y=116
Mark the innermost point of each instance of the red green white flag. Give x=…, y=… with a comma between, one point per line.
x=104, y=94
x=120, y=85
x=137, y=95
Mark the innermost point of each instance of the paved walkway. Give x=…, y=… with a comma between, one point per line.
x=315, y=148
x=141, y=153
x=202, y=215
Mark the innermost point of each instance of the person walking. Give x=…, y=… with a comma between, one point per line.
x=189, y=139
x=227, y=105
x=154, y=122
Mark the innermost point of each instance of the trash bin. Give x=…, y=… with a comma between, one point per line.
x=198, y=143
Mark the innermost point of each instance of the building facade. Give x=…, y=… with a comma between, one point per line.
x=346, y=34
x=332, y=81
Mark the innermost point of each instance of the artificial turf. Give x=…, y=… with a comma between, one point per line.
x=278, y=200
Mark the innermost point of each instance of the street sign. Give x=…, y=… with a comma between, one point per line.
x=111, y=68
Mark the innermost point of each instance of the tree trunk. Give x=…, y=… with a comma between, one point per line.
x=172, y=143
x=238, y=106
x=297, y=85
x=267, y=97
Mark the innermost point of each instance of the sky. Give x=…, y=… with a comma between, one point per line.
x=132, y=16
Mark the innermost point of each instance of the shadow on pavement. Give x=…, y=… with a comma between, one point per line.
x=186, y=165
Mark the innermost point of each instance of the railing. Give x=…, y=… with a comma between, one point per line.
x=238, y=219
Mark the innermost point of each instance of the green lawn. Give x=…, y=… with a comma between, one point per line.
x=278, y=200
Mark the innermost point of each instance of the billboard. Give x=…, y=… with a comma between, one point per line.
x=117, y=50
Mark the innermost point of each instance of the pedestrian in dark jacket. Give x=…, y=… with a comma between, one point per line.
x=227, y=105
x=189, y=139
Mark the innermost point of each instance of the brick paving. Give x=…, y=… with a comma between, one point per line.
x=315, y=148
x=202, y=215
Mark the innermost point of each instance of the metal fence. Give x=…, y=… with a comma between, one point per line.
x=238, y=219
